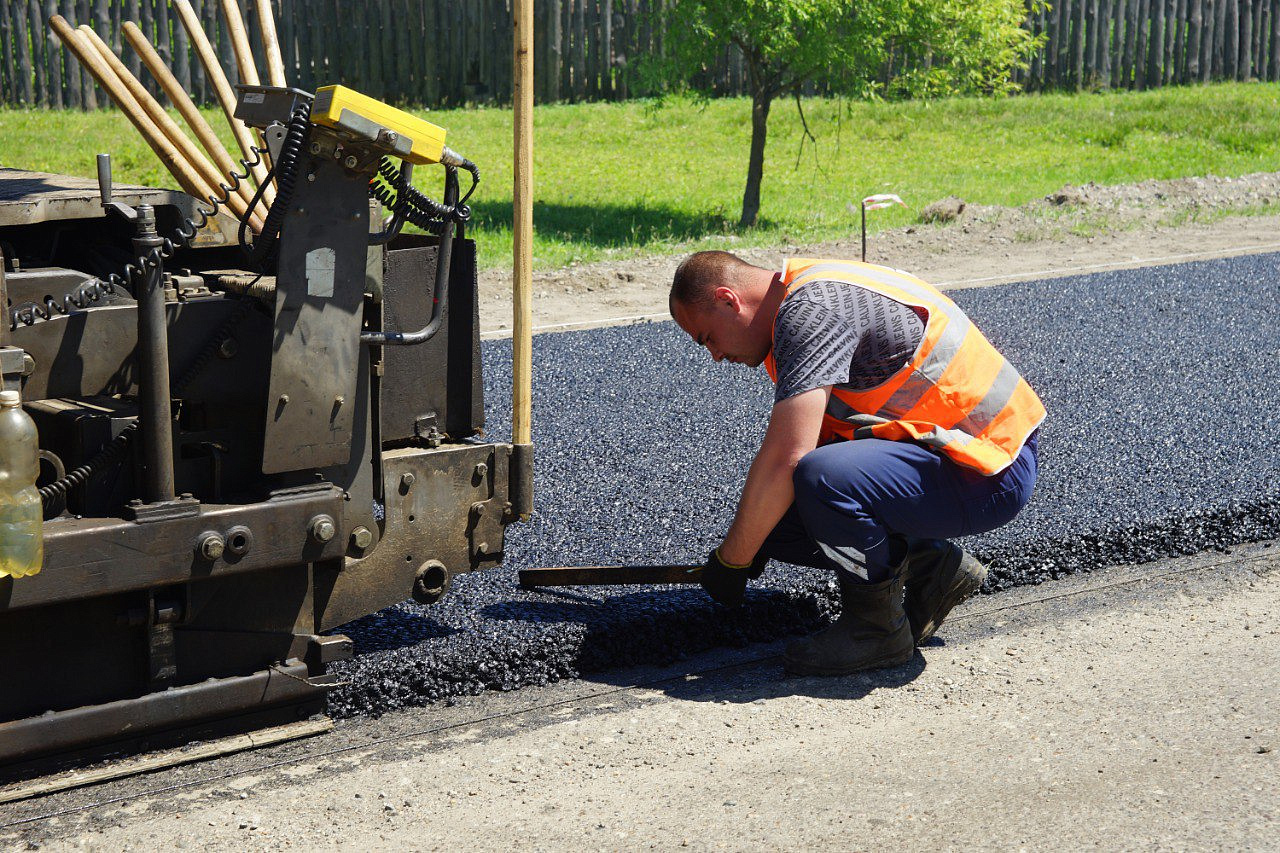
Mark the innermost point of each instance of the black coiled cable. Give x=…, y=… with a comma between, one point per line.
x=285, y=171
x=407, y=203
x=188, y=229
x=95, y=289
x=85, y=294
x=108, y=455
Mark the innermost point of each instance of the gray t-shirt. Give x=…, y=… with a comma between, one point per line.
x=834, y=333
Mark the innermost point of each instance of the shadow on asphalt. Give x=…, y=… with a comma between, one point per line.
x=770, y=681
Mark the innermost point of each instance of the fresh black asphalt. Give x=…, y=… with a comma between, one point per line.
x=1163, y=391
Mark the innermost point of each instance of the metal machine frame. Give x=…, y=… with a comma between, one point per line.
x=296, y=470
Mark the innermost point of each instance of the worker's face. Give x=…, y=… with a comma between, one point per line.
x=725, y=328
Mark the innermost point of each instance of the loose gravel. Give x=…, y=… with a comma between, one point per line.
x=1161, y=389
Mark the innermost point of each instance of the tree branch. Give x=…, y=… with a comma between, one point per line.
x=805, y=124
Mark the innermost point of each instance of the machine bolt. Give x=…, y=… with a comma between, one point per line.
x=362, y=537
x=478, y=508
x=482, y=469
x=339, y=401
x=407, y=480
x=136, y=502
x=322, y=528
x=315, y=148
x=284, y=399
x=211, y=546
x=351, y=162
x=311, y=177
x=28, y=364
x=228, y=348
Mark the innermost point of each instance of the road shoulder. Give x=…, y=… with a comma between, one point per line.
x=1129, y=707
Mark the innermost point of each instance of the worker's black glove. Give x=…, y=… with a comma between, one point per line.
x=727, y=584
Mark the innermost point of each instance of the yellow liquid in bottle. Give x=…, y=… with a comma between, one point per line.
x=21, y=532
x=21, y=514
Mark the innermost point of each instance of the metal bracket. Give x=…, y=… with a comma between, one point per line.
x=487, y=525
x=143, y=513
x=159, y=618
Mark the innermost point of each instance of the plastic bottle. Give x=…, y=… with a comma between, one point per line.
x=21, y=514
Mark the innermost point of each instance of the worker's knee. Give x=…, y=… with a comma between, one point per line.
x=819, y=479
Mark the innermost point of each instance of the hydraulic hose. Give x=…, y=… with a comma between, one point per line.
x=443, y=262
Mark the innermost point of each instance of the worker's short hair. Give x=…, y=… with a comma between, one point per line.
x=701, y=273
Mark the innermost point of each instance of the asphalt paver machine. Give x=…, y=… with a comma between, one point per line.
x=252, y=429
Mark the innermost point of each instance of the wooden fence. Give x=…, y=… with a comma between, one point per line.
x=1144, y=44
x=451, y=52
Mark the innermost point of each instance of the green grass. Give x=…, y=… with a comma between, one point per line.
x=616, y=180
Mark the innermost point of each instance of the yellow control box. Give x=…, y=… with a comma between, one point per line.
x=428, y=139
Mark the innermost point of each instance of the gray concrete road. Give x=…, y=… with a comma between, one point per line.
x=1134, y=708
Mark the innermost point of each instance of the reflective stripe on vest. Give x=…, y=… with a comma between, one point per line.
x=957, y=394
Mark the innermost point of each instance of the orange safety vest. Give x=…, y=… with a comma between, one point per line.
x=957, y=394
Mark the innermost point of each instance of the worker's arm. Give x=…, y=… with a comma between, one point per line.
x=793, y=431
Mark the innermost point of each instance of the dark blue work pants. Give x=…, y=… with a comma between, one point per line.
x=852, y=495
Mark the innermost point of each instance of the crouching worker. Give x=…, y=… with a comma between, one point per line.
x=895, y=426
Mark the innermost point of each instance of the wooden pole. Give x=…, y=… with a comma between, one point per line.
x=240, y=43
x=271, y=44
x=522, y=226
x=191, y=155
x=84, y=51
x=218, y=79
x=187, y=108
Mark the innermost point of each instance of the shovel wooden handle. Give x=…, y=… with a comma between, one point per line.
x=83, y=50
x=187, y=108
x=609, y=575
x=226, y=98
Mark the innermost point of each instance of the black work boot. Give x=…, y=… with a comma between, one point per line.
x=940, y=575
x=872, y=632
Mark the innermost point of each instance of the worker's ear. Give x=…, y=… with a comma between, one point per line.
x=728, y=296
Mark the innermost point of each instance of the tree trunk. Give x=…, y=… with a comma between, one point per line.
x=760, y=103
